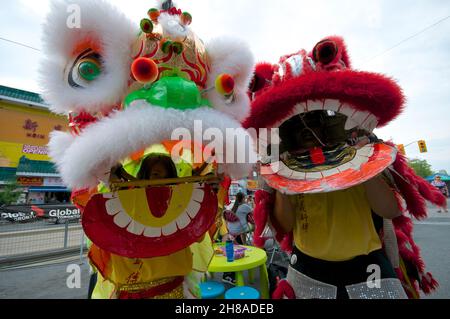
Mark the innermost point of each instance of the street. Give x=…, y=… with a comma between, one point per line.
x=27, y=238
x=48, y=280
x=433, y=237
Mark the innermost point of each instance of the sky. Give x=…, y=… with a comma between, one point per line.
x=421, y=65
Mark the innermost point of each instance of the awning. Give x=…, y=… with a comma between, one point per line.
x=29, y=167
x=49, y=189
x=7, y=174
x=444, y=178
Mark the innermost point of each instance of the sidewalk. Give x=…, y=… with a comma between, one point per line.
x=45, y=281
x=48, y=280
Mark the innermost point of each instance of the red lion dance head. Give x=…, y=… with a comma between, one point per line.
x=324, y=113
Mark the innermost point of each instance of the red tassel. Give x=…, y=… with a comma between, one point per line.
x=263, y=206
x=284, y=289
x=428, y=283
x=286, y=243
x=414, y=189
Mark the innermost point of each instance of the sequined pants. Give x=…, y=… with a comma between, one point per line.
x=313, y=278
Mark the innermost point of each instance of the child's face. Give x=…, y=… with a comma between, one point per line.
x=158, y=170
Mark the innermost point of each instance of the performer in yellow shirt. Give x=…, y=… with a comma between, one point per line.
x=335, y=237
x=329, y=187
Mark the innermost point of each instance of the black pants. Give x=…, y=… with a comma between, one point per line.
x=92, y=283
x=343, y=273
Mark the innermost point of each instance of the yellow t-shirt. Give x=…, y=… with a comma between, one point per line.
x=335, y=226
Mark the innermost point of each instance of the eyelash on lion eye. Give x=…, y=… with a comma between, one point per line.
x=92, y=65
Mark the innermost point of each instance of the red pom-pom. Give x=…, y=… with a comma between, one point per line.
x=317, y=156
x=144, y=70
x=225, y=84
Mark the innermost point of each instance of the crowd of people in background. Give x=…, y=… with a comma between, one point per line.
x=239, y=224
x=442, y=186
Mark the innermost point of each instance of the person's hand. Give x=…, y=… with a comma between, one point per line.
x=227, y=237
x=381, y=197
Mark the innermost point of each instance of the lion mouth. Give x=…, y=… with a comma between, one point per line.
x=325, y=145
x=152, y=221
x=158, y=219
x=323, y=136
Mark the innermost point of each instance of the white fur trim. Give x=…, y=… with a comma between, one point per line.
x=115, y=33
x=58, y=144
x=103, y=144
x=232, y=56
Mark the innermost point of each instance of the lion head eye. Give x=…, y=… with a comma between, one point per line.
x=89, y=69
x=86, y=68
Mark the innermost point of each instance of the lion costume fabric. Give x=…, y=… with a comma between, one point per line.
x=325, y=113
x=125, y=89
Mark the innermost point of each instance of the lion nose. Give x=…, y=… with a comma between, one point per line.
x=170, y=92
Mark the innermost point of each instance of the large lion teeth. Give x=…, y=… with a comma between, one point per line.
x=152, y=232
x=370, y=123
x=313, y=175
x=315, y=105
x=285, y=172
x=366, y=151
x=355, y=118
x=345, y=167
x=350, y=123
x=298, y=175
x=347, y=110
x=331, y=105
x=135, y=228
x=357, y=161
x=169, y=229
x=193, y=208
x=198, y=195
x=330, y=172
x=301, y=108
x=109, y=195
x=360, y=117
x=122, y=219
x=183, y=221
x=113, y=206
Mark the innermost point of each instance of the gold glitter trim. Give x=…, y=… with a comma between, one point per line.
x=177, y=293
x=137, y=287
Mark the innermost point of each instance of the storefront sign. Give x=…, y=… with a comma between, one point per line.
x=53, y=182
x=30, y=181
x=252, y=184
x=26, y=213
x=34, y=149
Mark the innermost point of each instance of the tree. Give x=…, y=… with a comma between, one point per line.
x=9, y=194
x=421, y=167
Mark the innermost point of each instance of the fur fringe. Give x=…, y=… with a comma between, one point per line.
x=264, y=202
x=283, y=290
x=414, y=189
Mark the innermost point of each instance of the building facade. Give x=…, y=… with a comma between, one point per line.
x=25, y=125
